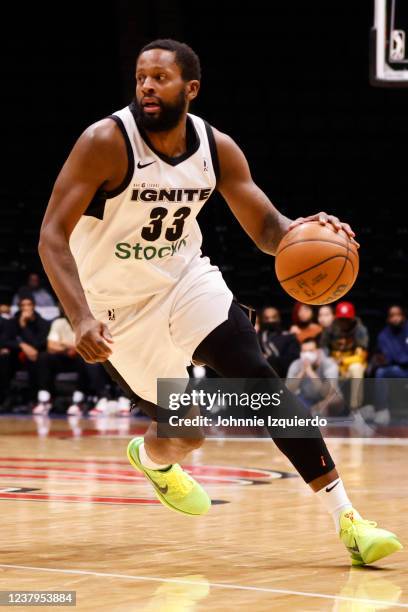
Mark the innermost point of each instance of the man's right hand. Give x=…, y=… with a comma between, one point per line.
x=91, y=338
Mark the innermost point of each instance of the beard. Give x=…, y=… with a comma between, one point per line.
x=166, y=119
x=271, y=327
x=396, y=327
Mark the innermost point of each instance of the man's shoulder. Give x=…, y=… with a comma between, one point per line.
x=102, y=131
x=327, y=361
x=383, y=333
x=58, y=322
x=40, y=319
x=295, y=366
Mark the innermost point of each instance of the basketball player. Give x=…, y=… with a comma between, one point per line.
x=121, y=246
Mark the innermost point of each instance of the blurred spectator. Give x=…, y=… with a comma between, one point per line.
x=303, y=325
x=325, y=316
x=314, y=378
x=24, y=336
x=346, y=340
x=279, y=347
x=5, y=312
x=391, y=358
x=41, y=296
x=4, y=362
x=61, y=356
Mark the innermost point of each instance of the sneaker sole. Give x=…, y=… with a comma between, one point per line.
x=160, y=497
x=380, y=550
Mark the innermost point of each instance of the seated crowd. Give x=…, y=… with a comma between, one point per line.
x=321, y=350
x=44, y=349
x=317, y=356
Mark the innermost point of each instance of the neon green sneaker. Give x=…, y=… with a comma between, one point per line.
x=365, y=542
x=174, y=487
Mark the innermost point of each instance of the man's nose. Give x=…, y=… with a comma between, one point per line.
x=148, y=85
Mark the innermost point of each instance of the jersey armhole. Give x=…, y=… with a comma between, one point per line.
x=96, y=207
x=213, y=150
x=131, y=161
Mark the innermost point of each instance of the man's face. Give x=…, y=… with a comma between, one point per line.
x=162, y=95
x=305, y=313
x=326, y=316
x=395, y=316
x=270, y=315
x=309, y=352
x=27, y=307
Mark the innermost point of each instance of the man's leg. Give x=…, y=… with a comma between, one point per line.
x=47, y=367
x=158, y=459
x=356, y=373
x=382, y=391
x=5, y=375
x=233, y=351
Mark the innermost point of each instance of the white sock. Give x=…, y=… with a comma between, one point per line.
x=43, y=396
x=147, y=462
x=334, y=497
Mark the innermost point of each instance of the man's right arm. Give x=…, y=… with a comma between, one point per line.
x=98, y=160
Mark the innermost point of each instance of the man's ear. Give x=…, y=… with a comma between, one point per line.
x=193, y=88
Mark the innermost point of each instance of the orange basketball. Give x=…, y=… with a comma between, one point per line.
x=315, y=264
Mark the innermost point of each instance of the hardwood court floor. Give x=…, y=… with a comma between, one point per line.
x=75, y=516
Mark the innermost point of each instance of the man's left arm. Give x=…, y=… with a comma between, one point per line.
x=250, y=205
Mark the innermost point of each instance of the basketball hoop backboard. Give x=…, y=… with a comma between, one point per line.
x=389, y=44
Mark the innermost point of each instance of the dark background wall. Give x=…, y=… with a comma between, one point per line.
x=287, y=80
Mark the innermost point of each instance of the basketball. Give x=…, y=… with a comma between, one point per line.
x=315, y=264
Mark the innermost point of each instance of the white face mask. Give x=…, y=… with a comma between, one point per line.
x=311, y=356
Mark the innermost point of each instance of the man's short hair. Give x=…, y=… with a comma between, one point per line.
x=306, y=340
x=26, y=295
x=185, y=57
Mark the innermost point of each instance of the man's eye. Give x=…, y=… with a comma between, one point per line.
x=161, y=77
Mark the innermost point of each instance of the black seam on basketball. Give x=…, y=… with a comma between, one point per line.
x=345, y=245
x=352, y=265
x=337, y=278
x=316, y=297
x=311, y=268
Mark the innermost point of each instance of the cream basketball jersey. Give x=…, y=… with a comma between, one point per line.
x=140, y=239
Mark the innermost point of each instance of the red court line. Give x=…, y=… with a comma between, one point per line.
x=94, y=499
x=198, y=470
x=55, y=473
x=41, y=468
x=65, y=460
x=45, y=476
x=64, y=433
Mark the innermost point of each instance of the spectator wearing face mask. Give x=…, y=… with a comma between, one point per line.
x=391, y=358
x=325, y=316
x=314, y=378
x=279, y=347
x=346, y=340
x=303, y=325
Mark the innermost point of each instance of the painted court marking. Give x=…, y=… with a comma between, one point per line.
x=218, y=585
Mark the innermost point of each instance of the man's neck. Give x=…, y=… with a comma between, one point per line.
x=172, y=143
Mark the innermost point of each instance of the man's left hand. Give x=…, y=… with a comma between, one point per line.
x=323, y=218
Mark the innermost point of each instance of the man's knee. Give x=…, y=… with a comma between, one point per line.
x=356, y=370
